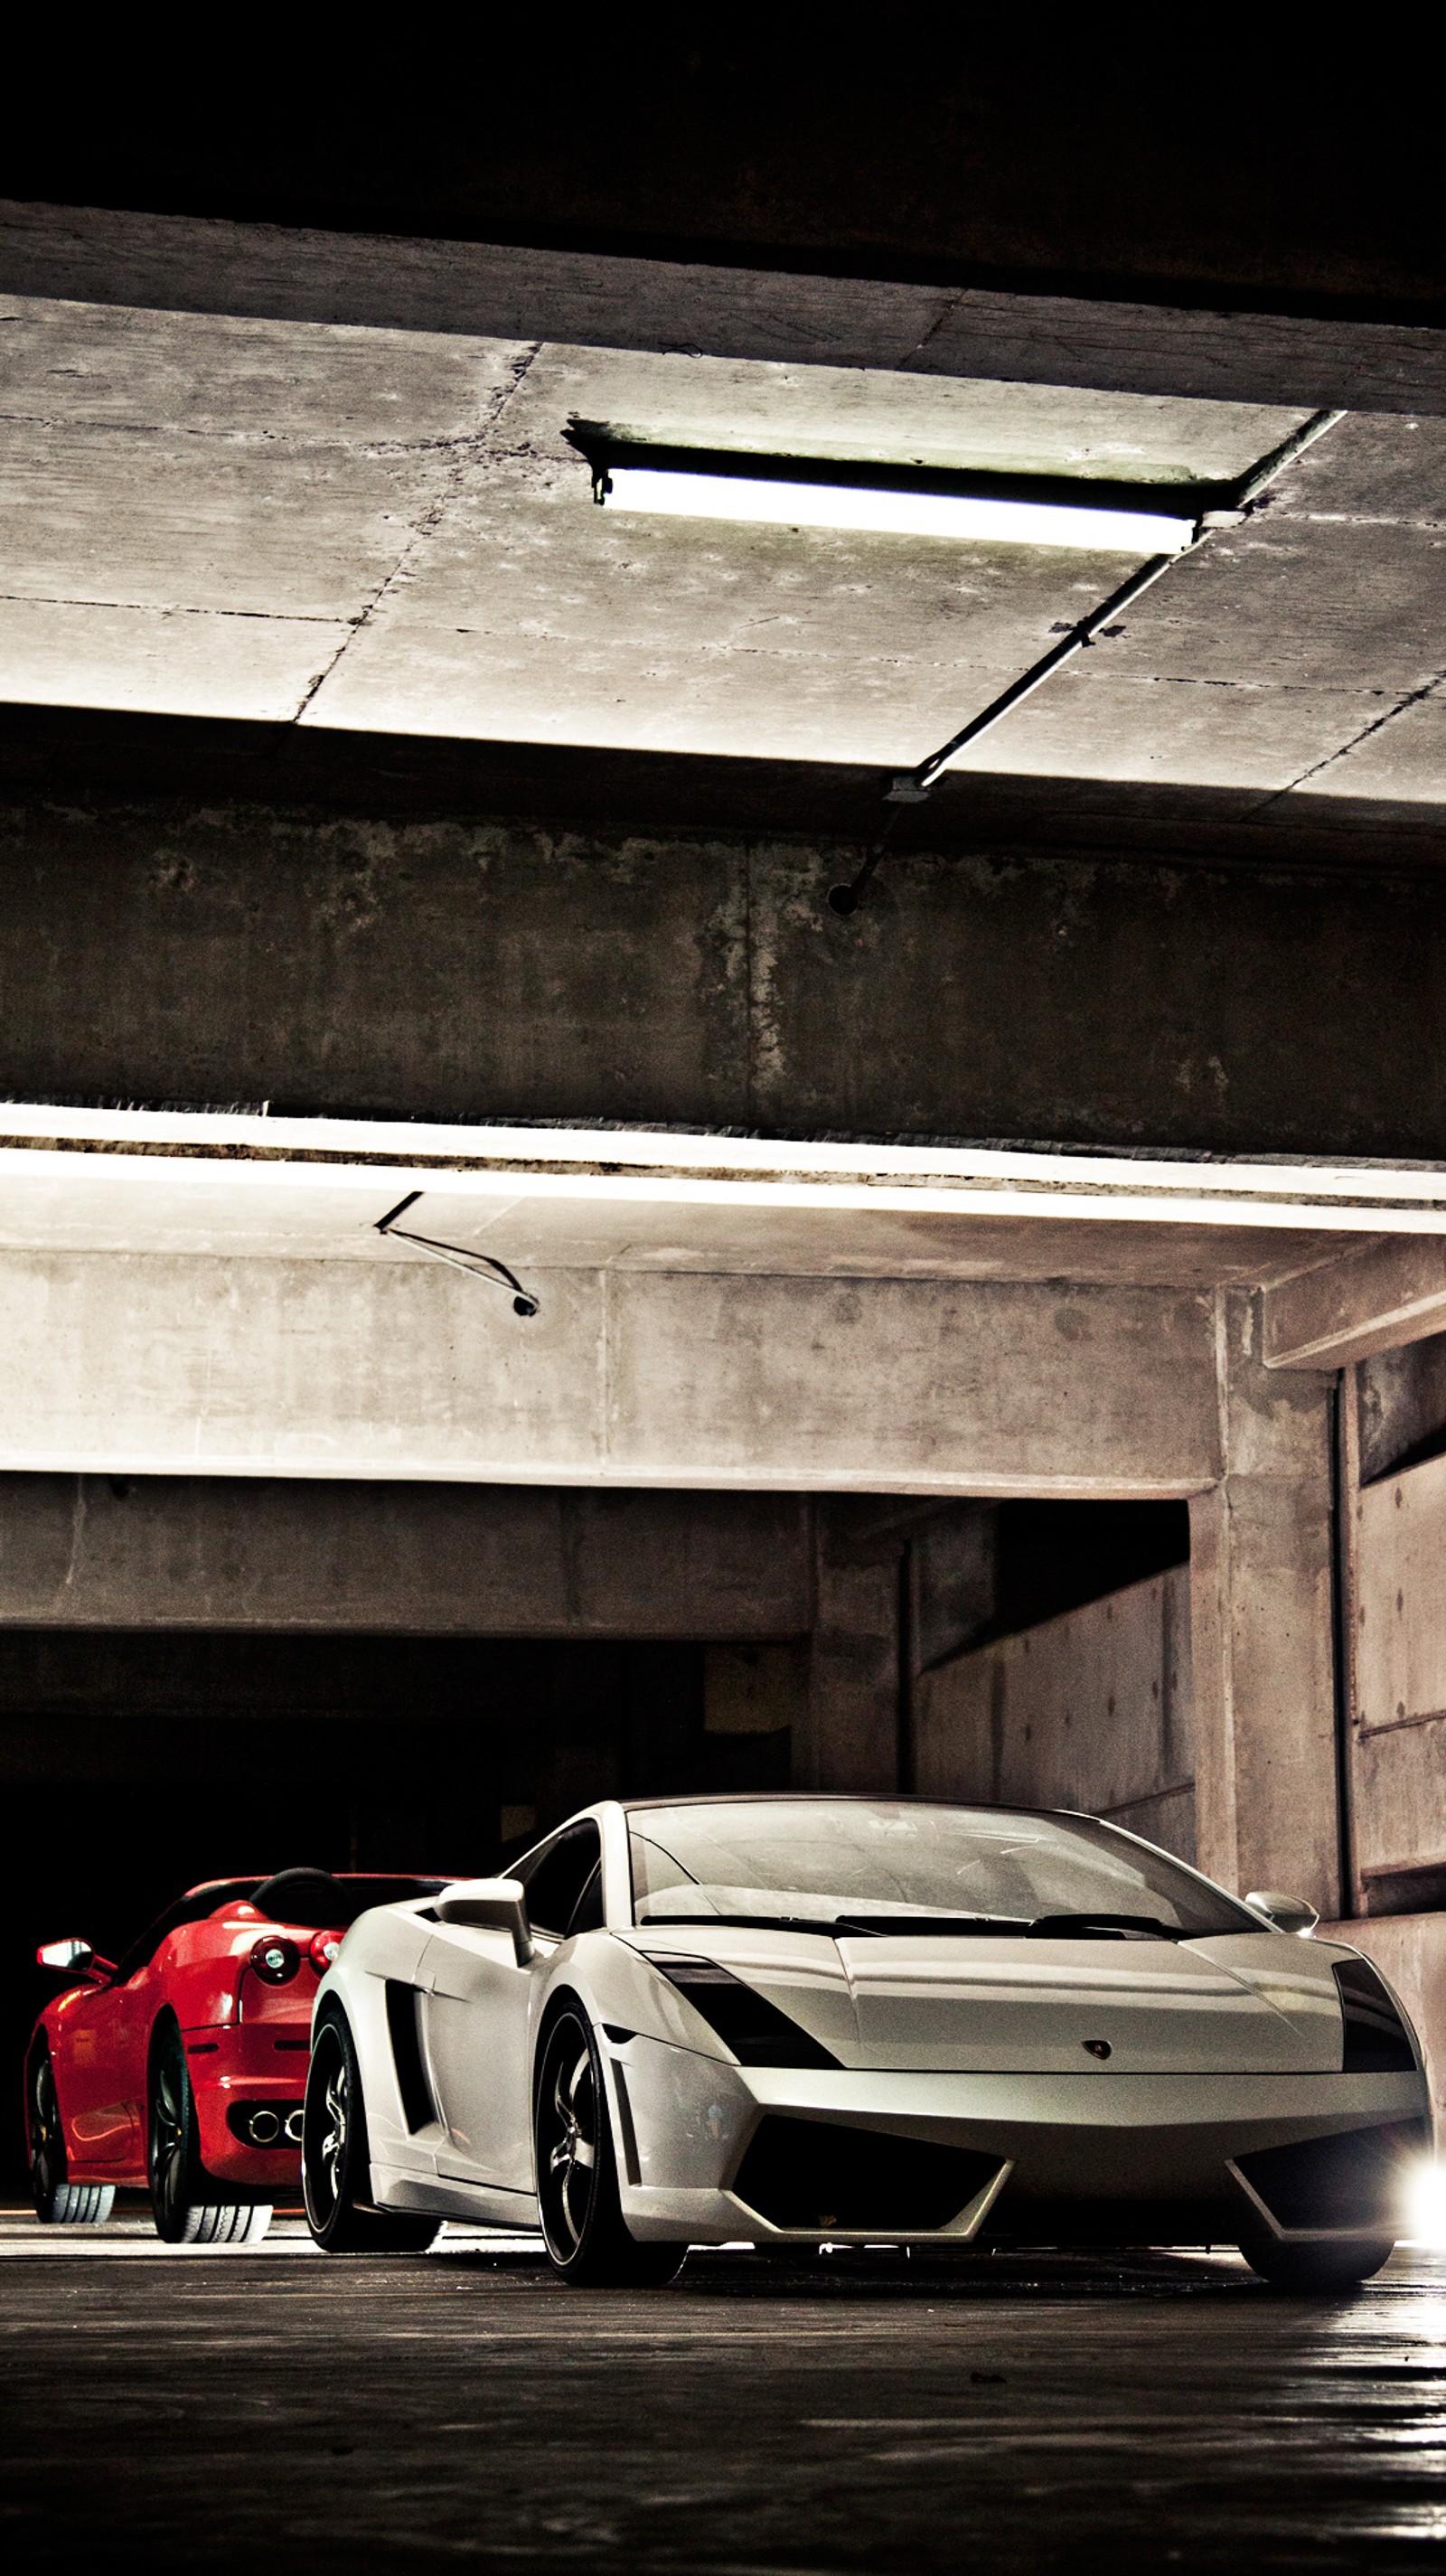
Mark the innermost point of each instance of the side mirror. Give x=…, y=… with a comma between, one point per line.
x=66, y=1955
x=1286, y=1913
x=490, y=1905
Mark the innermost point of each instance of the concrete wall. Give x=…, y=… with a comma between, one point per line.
x=1091, y=1710
x=467, y=968
x=1399, y=1730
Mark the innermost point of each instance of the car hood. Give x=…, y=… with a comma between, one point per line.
x=1238, y=2003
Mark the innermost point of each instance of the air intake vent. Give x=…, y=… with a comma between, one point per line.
x=811, y=2174
x=418, y=2107
x=1350, y=2181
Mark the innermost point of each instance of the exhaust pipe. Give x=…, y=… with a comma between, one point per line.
x=293, y=2127
x=263, y=2128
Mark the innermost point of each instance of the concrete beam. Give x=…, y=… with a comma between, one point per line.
x=300, y=1555
x=1373, y=1298
x=486, y=970
x=147, y=1365
x=182, y=263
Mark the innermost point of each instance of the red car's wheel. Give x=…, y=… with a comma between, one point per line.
x=185, y=2204
x=336, y=2164
x=58, y=2202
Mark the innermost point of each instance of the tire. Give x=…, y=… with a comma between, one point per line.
x=1317, y=2267
x=58, y=2202
x=587, y=2240
x=336, y=2164
x=184, y=2204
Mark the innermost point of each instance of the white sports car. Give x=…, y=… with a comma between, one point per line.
x=798, y=2020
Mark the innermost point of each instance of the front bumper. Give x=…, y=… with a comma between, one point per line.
x=721, y=2154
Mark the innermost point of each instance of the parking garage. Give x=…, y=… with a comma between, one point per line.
x=512, y=1296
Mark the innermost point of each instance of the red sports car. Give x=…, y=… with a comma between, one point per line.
x=181, y=2067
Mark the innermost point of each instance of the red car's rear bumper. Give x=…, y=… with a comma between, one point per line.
x=260, y=2063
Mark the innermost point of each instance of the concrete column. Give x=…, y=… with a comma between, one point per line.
x=851, y=1736
x=1265, y=1758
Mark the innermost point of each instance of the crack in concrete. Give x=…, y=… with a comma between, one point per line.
x=179, y=608
x=946, y=310
x=426, y=525
x=297, y=442
x=1413, y=698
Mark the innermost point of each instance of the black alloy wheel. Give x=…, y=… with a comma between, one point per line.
x=336, y=2164
x=58, y=2202
x=1318, y=2267
x=184, y=2202
x=587, y=2239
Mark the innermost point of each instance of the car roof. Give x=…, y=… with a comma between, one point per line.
x=835, y=1798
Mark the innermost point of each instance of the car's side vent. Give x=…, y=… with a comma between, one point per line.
x=817, y=2175
x=1376, y=2042
x=756, y=2031
x=1345, y=2181
x=418, y=2107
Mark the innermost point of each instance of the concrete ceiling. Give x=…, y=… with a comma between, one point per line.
x=385, y=531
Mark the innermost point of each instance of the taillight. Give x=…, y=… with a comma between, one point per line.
x=275, y=1959
x=324, y=1947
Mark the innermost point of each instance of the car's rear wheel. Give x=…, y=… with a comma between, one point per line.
x=186, y=2206
x=58, y=2202
x=1317, y=2267
x=583, y=2227
x=336, y=2163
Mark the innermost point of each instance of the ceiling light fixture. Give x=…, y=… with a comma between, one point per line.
x=1092, y=513
x=1158, y=523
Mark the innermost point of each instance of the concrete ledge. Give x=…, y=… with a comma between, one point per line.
x=1373, y=1299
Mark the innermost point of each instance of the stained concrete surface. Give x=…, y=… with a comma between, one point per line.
x=271, y=2409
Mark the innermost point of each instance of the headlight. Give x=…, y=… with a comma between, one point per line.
x=756, y=2031
x=1376, y=2039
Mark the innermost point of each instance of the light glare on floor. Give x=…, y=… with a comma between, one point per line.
x=903, y=514
x=1426, y=2205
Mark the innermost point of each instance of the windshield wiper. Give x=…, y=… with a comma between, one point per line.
x=1100, y=1927
x=970, y=1925
x=741, y=1923
x=873, y=1925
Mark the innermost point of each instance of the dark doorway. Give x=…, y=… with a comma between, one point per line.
x=134, y=1765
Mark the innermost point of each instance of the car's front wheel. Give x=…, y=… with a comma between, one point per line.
x=1317, y=2267
x=58, y=2202
x=185, y=2204
x=583, y=2228
x=336, y=2163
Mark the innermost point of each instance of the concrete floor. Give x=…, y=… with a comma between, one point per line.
x=270, y=2410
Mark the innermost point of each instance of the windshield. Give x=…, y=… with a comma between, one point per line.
x=856, y=1864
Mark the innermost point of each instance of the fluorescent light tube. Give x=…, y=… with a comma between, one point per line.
x=776, y=503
